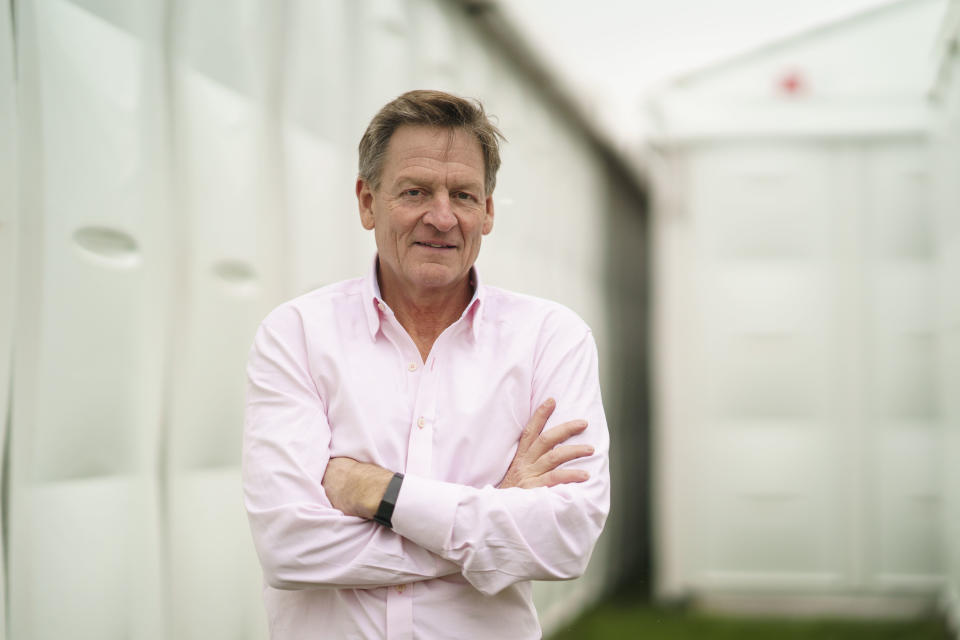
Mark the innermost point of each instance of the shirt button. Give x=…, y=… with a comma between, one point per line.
x=412, y=366
x=380, y=305
x=400, y=588
x=421, y=422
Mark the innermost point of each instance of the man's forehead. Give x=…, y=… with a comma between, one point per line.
x=440, y=143
x=416, y=148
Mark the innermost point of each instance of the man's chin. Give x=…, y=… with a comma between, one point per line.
x=438, y=276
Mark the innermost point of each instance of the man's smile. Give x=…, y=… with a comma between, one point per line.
x=435, y=245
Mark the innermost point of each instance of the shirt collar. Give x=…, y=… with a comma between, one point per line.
x=374, y=306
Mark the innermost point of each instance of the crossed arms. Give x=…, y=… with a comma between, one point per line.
x=356, y=488
x=309, y=513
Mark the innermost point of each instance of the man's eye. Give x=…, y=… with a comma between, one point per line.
x=414, y=193
x=463, y=196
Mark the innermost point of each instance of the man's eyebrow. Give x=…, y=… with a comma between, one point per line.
x=408, y=180
x=415, y=178
x=467, y=184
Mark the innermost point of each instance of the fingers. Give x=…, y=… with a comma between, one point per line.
x=554, y=436
x=565, y=476
x=561, y=455
x=557, y=476
x=540, y=453
x=535, y=426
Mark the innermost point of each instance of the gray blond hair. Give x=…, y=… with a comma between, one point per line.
x=433, y=109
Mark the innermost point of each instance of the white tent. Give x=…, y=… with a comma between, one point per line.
x=800, y=414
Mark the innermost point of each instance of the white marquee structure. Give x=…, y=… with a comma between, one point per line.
x=805, y=329
x=170, y=171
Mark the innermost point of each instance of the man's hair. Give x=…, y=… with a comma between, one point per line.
x=432, y=109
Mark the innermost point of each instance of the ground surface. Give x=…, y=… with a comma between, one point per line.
x=620, y=620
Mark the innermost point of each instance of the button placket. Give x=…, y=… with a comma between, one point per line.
x=420, y=444
x=400, y=613
x=432, y=389
x=407, y=354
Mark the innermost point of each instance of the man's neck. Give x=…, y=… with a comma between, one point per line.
x=427, y=314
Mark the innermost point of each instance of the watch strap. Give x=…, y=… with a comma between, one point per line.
x=389, y=501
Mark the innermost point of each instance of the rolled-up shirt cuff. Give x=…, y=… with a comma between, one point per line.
x=425, y=511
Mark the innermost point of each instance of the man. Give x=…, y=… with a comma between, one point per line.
x=397, y=473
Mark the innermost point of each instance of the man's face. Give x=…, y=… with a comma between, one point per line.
x=429, y=212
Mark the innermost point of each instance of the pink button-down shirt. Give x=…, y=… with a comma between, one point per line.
x=332, y=373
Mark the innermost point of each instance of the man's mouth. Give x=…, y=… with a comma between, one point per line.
x=436, y=245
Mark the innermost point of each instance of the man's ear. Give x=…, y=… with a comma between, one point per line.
x=365, y=203
x=488, y=215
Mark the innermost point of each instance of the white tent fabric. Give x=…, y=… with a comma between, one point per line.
x=805, y=332
x=8, y=231
x=182, y=167
x=945, y=158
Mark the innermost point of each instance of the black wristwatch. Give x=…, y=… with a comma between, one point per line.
x=385, y=510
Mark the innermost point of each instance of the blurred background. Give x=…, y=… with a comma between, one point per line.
x=756, y=206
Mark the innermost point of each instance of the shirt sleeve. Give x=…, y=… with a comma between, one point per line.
x=301, y=539
x=502, y=536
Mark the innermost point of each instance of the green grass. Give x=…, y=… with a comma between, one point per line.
x=616, y=620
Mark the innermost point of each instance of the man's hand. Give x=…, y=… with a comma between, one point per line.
x=355, y=488
x=538, y=454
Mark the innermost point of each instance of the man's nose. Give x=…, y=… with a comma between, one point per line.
x=440, y=214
